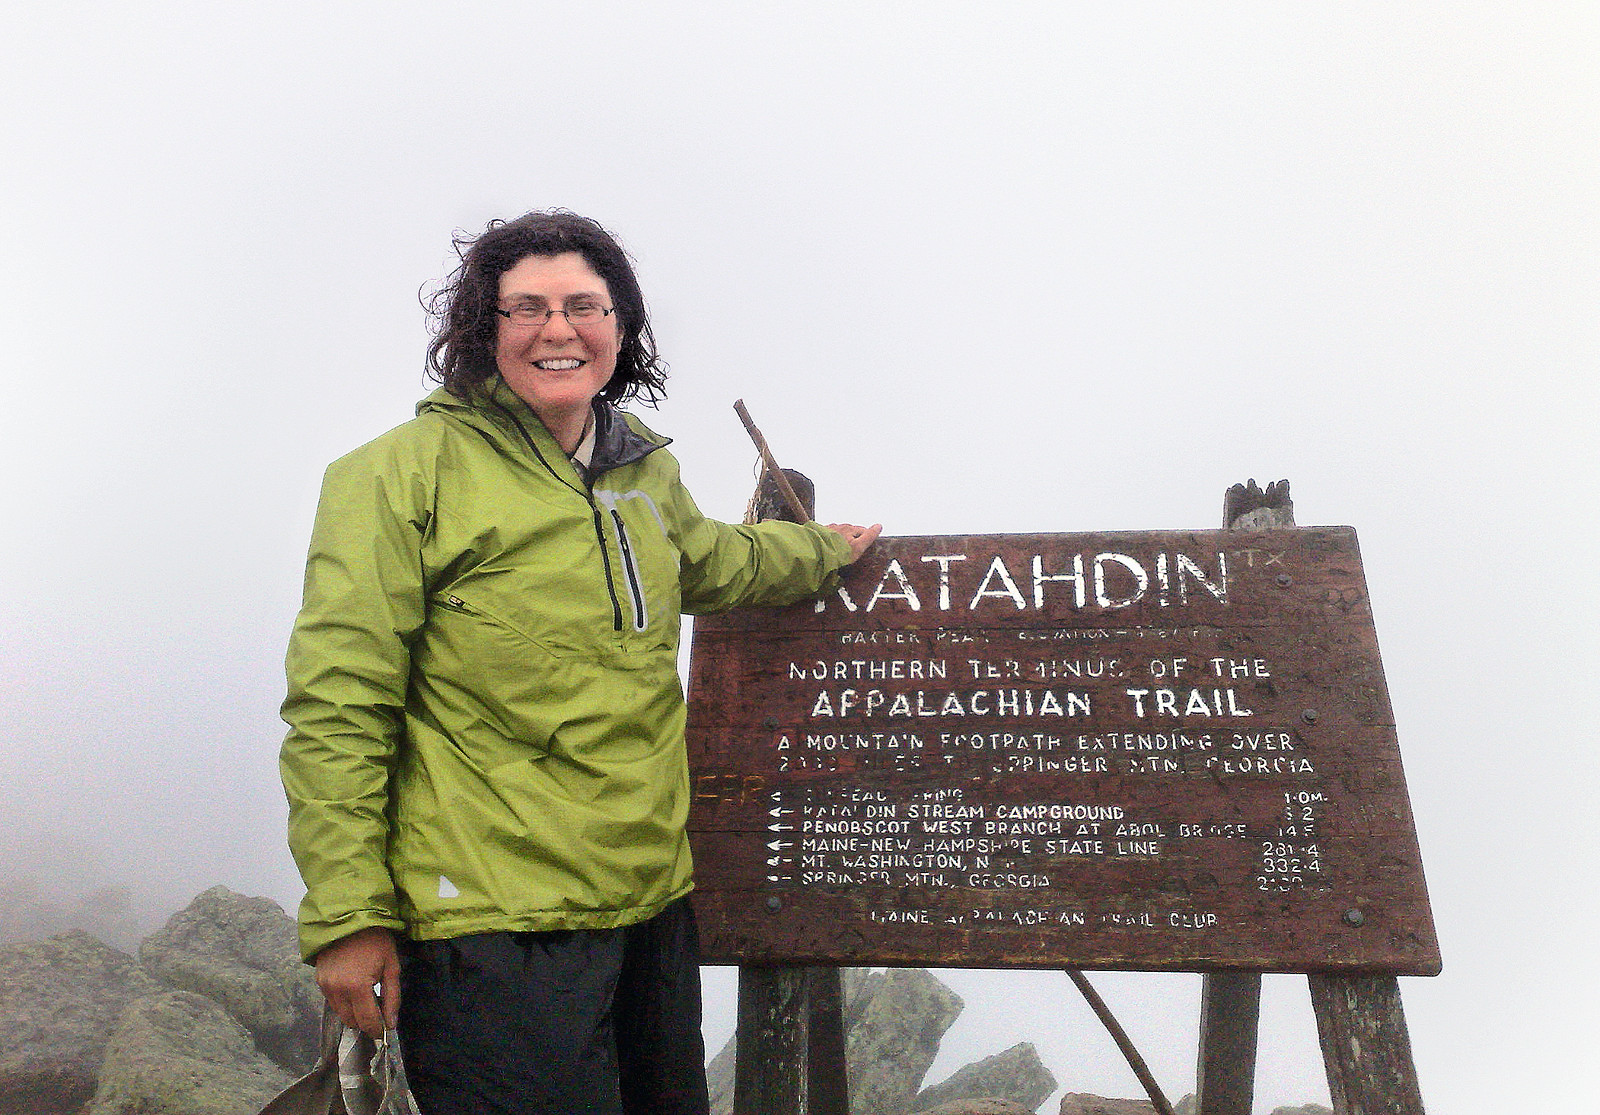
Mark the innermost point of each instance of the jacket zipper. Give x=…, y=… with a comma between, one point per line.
x=605, y=559
x=640, y=618
x=599, y=527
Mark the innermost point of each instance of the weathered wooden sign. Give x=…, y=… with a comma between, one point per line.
x=1161, y=750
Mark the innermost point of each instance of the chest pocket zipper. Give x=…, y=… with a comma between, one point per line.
x=641, y=613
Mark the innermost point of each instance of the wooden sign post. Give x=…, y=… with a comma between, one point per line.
x=1166, y=750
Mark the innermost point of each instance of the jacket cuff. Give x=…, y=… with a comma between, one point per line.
x=318, y=935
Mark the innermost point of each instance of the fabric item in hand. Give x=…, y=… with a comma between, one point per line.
x=354, y=1075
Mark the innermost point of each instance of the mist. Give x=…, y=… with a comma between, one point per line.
x=1046, y=267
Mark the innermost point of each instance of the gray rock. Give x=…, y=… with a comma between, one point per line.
x=176, y=1053
x=896, y=1038
x=1016, y=1075
x=719, y=1078
x=60, y=999
x=242, y=954
x=1303, y=1109
x=857, y=987
x=979, y=1107
x=1085, y=1103
x=1082, y=1103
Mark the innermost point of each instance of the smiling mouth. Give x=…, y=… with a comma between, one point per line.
x=567, y=364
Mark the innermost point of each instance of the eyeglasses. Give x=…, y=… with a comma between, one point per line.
x=585, y=313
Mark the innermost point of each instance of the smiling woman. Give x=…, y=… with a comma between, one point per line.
x=468, y=308
x=557, y=360
x=485, y=766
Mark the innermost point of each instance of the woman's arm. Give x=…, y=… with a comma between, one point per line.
x=348, y=669
x=725, y=566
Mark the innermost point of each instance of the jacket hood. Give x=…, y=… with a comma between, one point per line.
x=619, y=438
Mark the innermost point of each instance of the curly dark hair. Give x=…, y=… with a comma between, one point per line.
x=461, y=354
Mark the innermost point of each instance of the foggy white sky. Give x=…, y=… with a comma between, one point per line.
x=1021, y=267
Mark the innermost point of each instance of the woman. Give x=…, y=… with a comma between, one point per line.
x=485, y=765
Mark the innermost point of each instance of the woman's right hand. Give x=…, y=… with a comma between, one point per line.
x=347, y=972
x=858, y=538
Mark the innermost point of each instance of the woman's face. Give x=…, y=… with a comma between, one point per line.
x=556, y=368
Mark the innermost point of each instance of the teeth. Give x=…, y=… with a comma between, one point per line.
x=558, y=365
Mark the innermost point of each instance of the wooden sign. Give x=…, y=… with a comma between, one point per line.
x=1156, y=750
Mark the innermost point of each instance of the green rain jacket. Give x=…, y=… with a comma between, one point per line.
x=486, y=721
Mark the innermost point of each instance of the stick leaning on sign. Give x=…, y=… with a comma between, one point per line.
x=770, y=466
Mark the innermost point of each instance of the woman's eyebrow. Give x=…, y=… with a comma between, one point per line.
x=582, y=295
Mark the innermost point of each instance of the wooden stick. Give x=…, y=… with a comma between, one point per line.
x=795, y=506
x=1124, y=1043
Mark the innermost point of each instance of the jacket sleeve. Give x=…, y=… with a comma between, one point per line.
x=771, y=563
x=348, y=667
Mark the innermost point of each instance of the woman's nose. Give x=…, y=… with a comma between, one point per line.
x=563, y=330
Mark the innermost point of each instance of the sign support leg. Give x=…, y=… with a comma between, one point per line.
x=1230, y=1013
x=769, y=1063
x=1230, y=1002
x=1365, y=1045
x=827, y=1082
x=790, y=1047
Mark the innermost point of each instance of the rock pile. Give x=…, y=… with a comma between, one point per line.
x=215, y=1017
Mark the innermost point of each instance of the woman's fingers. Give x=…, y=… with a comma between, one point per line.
x=858, y=537
x=349, y=971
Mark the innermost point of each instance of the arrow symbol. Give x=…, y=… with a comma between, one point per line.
x=779, y=845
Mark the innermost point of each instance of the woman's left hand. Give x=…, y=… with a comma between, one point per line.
x=859, y=538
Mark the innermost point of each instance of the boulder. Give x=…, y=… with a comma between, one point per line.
x=896, y=1038
x=978, y=1107
x=1303, y=1109
x=1082, y=1103
x=60, y=1000
x=243, y=954
x=719, y=1078
x=176, y=1053
x=1016, y=1075
x=856, y=988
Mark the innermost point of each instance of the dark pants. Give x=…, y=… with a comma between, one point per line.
x=575, y=1022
